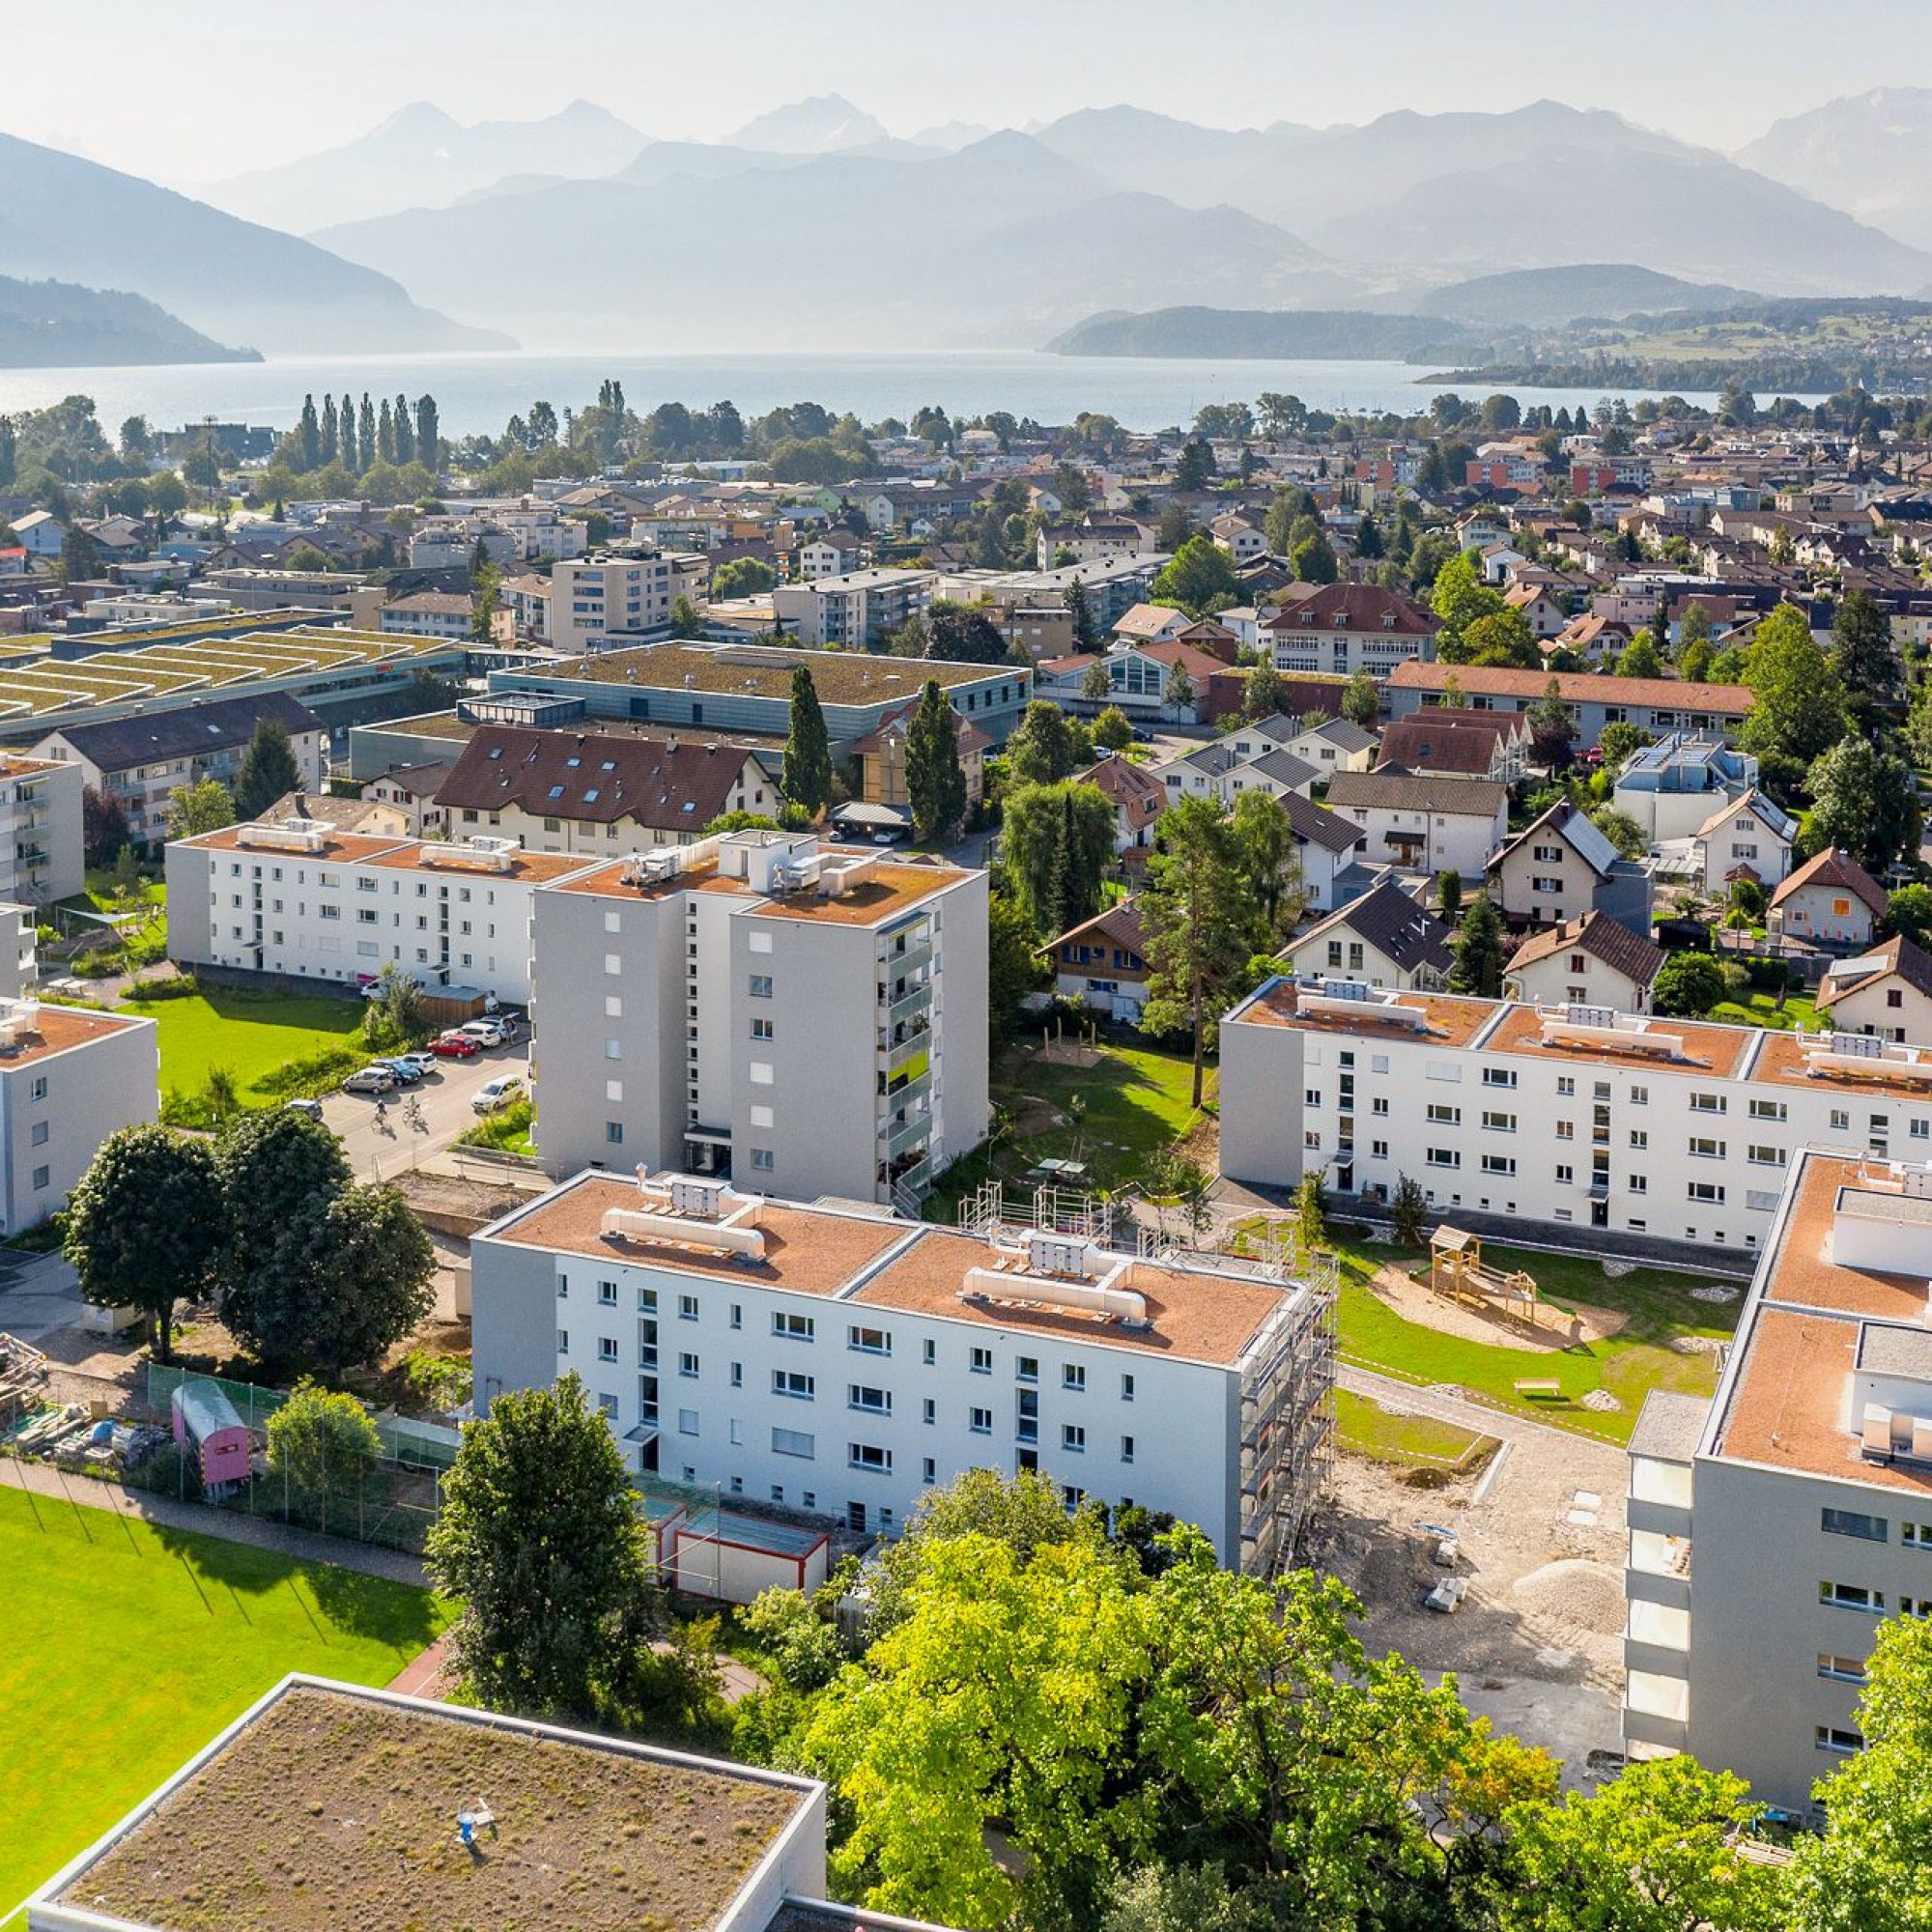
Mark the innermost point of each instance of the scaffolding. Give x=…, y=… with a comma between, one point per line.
x=1288, y=1412
x=1048, y=1206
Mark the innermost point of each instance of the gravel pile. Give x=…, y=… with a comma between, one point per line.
x=1574, y=1591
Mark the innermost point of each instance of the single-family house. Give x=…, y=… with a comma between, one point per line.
x=1383, y=938
x=1150, y=624
x=1545, y=617
x=1138, y=798
x=1448, y=744
x=1330, y=745
x=1218, y=771
x=1327, y=847
x=1242, y=540
x=1673, y=786
x=1561, y=866
x=411, y=790
x=1424, y=824
x=1887, y=993
x=1831, y=900
x=40, y=533
x=1593, y=960
x=1140, y=678
x=1748, y=839
x=1103, y=963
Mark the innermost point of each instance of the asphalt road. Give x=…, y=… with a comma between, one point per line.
x=378, y=1148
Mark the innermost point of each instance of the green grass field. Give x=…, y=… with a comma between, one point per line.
x=1628, y=1364
x=1762, y=1009
x=252, y=1035
x=1411, y=1441
x=128, y=1648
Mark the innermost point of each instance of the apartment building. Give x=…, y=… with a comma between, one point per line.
x=1654, y=704
x=598, y=598
x=856, y=611
x=1569, y=1116
x=69, y=1078
x=1342, y=628
x=1772, y=1527
x=428, y=613
x=41, y=835
x=137, y=760
x=1673, y=786
x=298, y=899
x=808, y=1018
x=1430, y=825
x=841, y=1362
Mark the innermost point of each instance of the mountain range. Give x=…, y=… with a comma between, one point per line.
x=1864, y=152
x=61, y=324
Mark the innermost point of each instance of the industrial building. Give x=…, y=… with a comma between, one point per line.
x=841, y=1361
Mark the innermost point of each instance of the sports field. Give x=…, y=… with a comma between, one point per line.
x=127, y=1647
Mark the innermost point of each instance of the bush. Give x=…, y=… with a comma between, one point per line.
x=311, y=1076
x=181, y=986
x=1689, y=984
x=443, y=1381
x=805, y=1649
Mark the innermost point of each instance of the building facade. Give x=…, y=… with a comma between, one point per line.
x=853, y=611
x=595, y=599
x=41, y=830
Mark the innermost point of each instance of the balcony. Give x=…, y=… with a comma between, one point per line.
x=900, y=967
x=1659, y=1570
x=907, y=1004
x=1657, y=1640
x=913, y=1133
x=915, y=1044
x=1657, y=1710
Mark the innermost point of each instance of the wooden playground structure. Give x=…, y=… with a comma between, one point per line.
x=1458, y=1272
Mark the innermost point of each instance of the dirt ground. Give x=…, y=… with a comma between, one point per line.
x=1537, y=1640
x=1554, y=1328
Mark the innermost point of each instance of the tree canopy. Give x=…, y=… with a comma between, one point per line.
x=805, y=777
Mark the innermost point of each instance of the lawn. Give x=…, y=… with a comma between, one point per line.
x=129, y=1647
x=1364, y=1426
x=1628, y=1364
x=1762, y=1009
x=252, y=1035
x=1111, y=1116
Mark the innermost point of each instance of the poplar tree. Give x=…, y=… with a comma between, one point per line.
x=935, y=782
x=346, y=419
x=366, y=431
x=807, y=774
x=405, y=431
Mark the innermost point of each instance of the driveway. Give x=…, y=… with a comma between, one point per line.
x=385, y=1147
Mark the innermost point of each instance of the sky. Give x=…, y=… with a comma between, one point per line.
x=194, y=93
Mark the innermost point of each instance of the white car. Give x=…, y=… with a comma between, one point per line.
x=497, y=1093
x=485, y=1032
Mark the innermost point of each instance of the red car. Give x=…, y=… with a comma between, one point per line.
x=454, y=1047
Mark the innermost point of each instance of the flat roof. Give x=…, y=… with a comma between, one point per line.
x=764, y=670
x=326, y=1807
x=1783, y=1061
x=1669, y=1426
x=1716, y=1050
x=405, y=855
x=1451, y=1021
x=56, y=1029
x=892, y=887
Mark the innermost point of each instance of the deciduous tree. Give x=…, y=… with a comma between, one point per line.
x=205, y=806
x=1361, y=702
x=1478, y=949
x=1200, y=577
x=1688, y=985
x=1798, y=706
x=1865, y=801
x=1057, y=842
x=1040, y=749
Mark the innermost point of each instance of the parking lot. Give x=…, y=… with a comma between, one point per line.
x=382, y=1146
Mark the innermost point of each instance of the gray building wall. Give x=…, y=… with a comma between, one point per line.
x=1260, y=1104
x=90, y=1091
x=514, y=1318
x=965, y=1101
x=189, y=879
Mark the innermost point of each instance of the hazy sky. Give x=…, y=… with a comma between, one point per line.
x=194, y=93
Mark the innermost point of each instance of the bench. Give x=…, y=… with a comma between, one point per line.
x=1550, y=1387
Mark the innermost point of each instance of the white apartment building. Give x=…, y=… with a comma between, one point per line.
x=299, y=899
x=1775, y=1526
x=595, y=599
x=843, y=1362
x=69, y=1078
x=1573, y=1114
x=41, y=830
x=857, y=611
x=428, y=613
x=1423, y=824
x=810, y=1019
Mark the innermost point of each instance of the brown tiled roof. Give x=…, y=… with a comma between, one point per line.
x=660, y=783
x=1600, y=936
x=1573, y=687
x=1428, y=743
x=1838, y=869
x=1899, y=954
x=1131, y=787
x=1362, y=606
x=1120, y=924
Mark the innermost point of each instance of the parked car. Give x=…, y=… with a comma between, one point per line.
x=312, y=1108
x=405, y=1071
x=497, y=1093
x=424, y=1063
x=373, y=989
x=372, y=1080
x=454, y=1047
x=485, y=1032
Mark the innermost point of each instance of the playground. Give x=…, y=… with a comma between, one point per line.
x=1457, y=1292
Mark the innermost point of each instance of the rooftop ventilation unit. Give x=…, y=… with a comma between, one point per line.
x=288, y=834
x=1560, y=1030
x=652, y=868
x=713, y=1238
x=483, y=855
x=1125, y=1305
x=1331, y=1003
x=1895, y=1436
x=1866, y=1058
x=20, y=1021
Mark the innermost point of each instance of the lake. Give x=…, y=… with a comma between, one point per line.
x=480, y=392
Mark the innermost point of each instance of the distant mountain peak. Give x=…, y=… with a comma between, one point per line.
x=820, y=125
x=424, y=118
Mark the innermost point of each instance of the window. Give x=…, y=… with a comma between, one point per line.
x=737, y=1315
x=1379, y=1106
x=869, y=1457
x=1852, y=1597
x=1566, y=1131
x=1565, y=1175
x=792, y=1382
x=1443, y=1158
x=1126, y=1388
x=1841, y=1669
x=929, y=1411
x=1841, y=1120
x=687, y=1422
x=1639, y=1096
x=1073, y=1438
x=928, y=1352
x=737, y=1379
x=1703, y=1148
x=1498, y=1163
x=761, y=986
x=607, y=1348
x=1639, y=1138
x=869, y=1341
x=1566, y=1087
x=1498, y=1076
x=793, y=1442
x=983, y=1362
x=1026, y=1368
x=761, y=1029
x=687, y=1364
x=1073, y=1376
x=647, y=1300
x=1126, y=1448
x=1839, y=1742
x=1767, y=1110
x=873, y=1400
x=979, y=1421
x=1445, y=1117
x=1499, y=1124
x=1767, y=1156
x=563, y=1341
x=1707, y=1103
x=614, y=1132
x=1707, y=1190
x=1850, y=1523
x=793, y=1327
x=1916, y=1535
x=761, y=1160
x=687, y=1308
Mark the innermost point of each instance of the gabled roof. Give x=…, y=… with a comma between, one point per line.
x=1841, y=873
x=1898, y=955
x=1600, y=936
x=1387, y=919
x=1573, y=826
x=1772, y=817
x=1422, y=743
x=1573, y=687
x=1120, y=924
x=185, y=730
x=1284, y=767
x=660, y=783
x=1406, y=792
x=1315, y=824
x=1361, y=607
x=1129, y=786
x=1344, y=733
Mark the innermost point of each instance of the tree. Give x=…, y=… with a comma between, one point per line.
x=742, y=576
x=1501, y=640
x=1014, y=964
x=1865, y=801
x=1660, y=1848
x=1478, y=949
x=145, y=1225
x=1408, y=1212
x=1692, y=628
x=1622, y=830
x=373, y=1280
x=1266, y=695
x=347, y=453
x=1113, y=729
x=1866, y=1871
x=805, y=776
x=1361, y=702
x=79, y=557
x=1057, y=840
x=1695, y=657
x=686, y=619
x=269, y=770
x=1459, y=598
x=1449, y=895
x=1861, y=656
x=1200, y=577
x=1265, y=853
x=1688, y=985
x=1620, y=742
x=309, y=437
x=1909, y=911
x=322, y=1444
x=1086, y=625
x=1314, y=561
x=1640, y=656
x=405, y=431
x=394, y=1015
x=1551, y=729
x=935, y=782
x=1040, y=749
x=1194, y=469
x=1798, y=706
x=960, y=634
x=205, y=806
x=103, y=826
x=1199, y=924
x=1311, y=1211
x=1096, y=686
x=540, y=1541
x=1177, y=694
x=429, y=433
